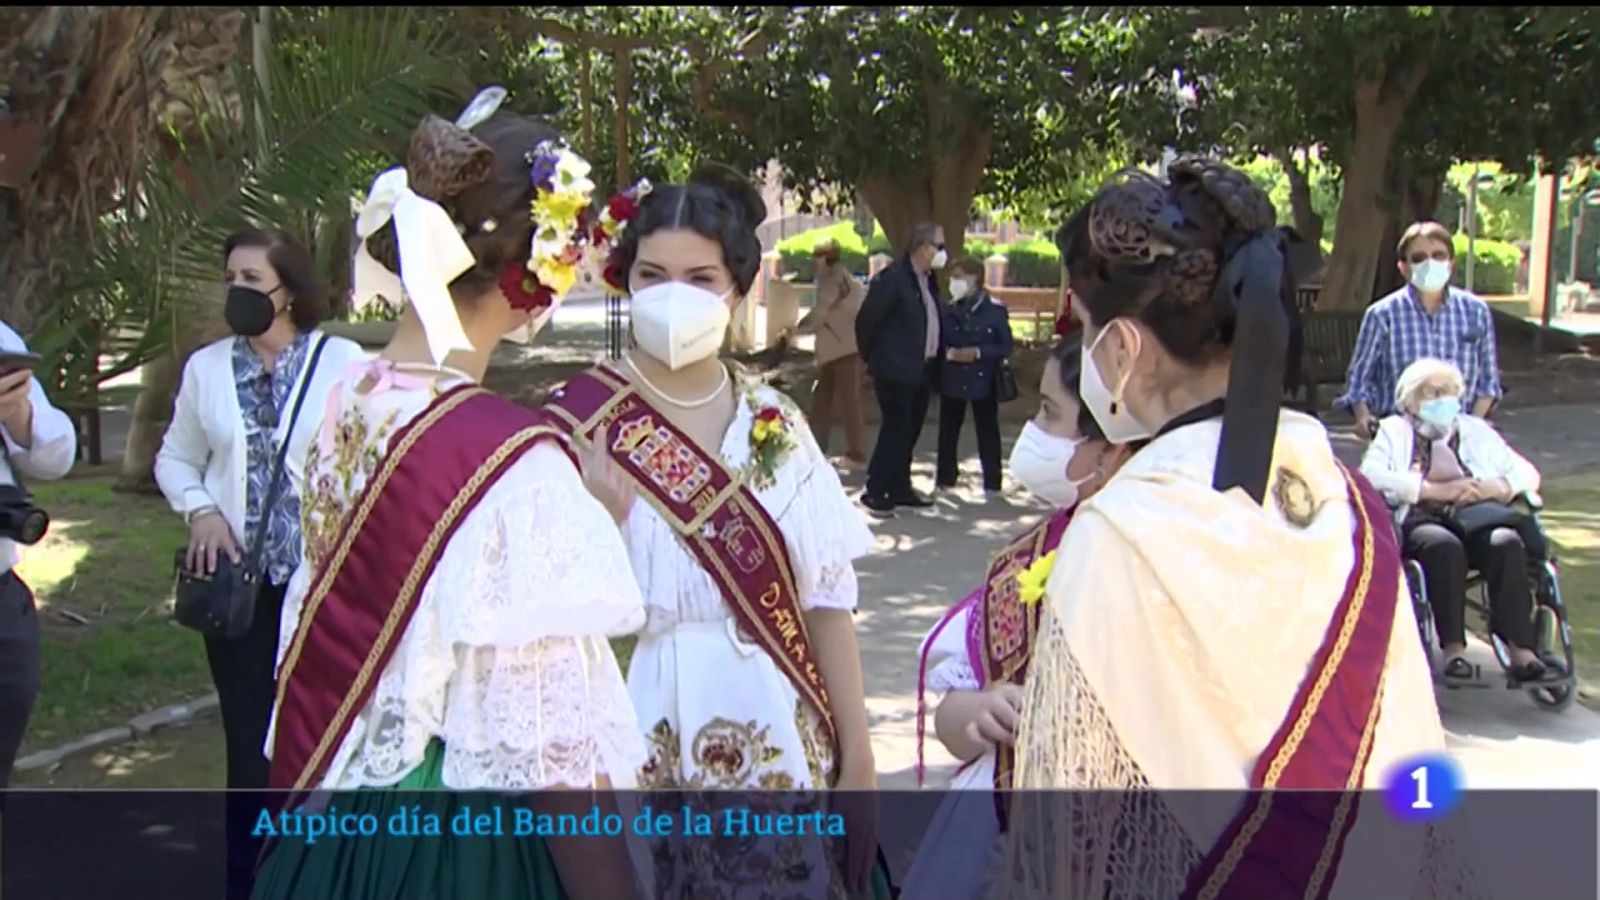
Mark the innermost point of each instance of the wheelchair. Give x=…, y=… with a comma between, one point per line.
x=1550, y=624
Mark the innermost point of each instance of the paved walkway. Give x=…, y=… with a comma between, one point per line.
x=926, y=560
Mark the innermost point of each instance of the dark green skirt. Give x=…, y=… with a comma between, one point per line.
x=381, y=867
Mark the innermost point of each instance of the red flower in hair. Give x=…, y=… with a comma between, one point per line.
x=522, y=289
x=622, y=208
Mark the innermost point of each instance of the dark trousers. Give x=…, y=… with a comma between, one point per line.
x=952, y=414
x=838, y=398
x=244, y=672
x=1501, y=554
x=904, y=407
x=19, y=667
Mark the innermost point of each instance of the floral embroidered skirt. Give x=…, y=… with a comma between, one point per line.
x=719, y=716
x=399, y=868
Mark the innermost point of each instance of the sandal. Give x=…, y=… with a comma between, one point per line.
x=1459, y=670
x=1533, y=670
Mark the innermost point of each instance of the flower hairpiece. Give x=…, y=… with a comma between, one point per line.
x=561, y=198
x=613, y=220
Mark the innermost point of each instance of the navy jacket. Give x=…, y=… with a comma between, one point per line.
x=976, y=321
x=892, y=326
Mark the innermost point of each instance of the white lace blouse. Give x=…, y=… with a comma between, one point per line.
x=824, y=531
x=506, y=659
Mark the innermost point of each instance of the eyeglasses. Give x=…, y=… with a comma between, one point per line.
x=1417, y=259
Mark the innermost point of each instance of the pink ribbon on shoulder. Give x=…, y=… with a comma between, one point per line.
x=383, y=376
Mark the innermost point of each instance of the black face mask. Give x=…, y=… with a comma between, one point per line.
x=248, y=311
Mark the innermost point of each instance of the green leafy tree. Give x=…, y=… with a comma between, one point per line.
x=1393, y=96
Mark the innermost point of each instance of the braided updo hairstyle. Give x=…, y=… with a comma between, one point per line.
x=1153, y=250
x=482, y=179
x=717, y=203
x=1199, y=261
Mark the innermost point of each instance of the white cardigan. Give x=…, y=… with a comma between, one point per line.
x=1387, y=463
x=202, y=458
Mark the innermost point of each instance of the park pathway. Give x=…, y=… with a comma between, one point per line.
x=926, y=560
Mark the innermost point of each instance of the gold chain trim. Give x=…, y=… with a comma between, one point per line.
x=1297, y=733
x=358, y=520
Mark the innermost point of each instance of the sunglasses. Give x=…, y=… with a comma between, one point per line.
x=1417, y=259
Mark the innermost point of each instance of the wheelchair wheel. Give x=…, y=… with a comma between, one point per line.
x=1423, y=611
x=1555, y=636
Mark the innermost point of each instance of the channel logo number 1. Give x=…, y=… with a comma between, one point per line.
x=1423, y=788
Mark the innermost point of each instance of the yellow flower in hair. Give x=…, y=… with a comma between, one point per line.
x=556, y=275
x=559, y=206
x=1031, y=580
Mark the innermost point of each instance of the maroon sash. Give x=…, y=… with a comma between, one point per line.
x=1002, y=629
x=721, y=522
x=367, y=589
x=1281, y=845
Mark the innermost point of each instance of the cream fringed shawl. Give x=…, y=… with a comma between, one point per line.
x=1180, y=624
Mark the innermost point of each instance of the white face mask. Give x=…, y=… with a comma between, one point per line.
x=1105, y=405
x=960, y=288
x=939, y=259
x=1039, y=462
x=679, y=324
x=1430, y=275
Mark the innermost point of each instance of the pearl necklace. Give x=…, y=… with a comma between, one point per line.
x=681, y=404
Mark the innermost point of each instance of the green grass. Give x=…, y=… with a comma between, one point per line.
x=1572, y=521
x=103, y=578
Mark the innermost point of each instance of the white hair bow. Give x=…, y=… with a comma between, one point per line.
x=432, y=254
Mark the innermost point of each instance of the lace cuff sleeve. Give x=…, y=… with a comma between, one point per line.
x=954, y=673
x=554, y=713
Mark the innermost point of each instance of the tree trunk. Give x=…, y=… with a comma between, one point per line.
x=943, y=190
x=1414, y=197
x=1380, y=105
x=1306, y=220
x=624, y=101
x=586, y=101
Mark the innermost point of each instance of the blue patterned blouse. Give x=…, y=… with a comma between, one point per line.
x=264, y=397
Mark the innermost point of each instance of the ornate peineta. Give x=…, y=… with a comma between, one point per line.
x=444, y=160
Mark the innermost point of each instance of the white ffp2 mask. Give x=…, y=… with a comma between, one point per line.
x=1039, y=463
x=1115, y=420
x=679, y=324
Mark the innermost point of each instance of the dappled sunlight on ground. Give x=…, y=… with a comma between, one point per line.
x=53, y=561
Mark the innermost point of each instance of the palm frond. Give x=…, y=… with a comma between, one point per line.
x=299, y=137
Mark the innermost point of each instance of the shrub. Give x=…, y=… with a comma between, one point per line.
x=795, y=252
x=1034, y=263
x=1495, y=269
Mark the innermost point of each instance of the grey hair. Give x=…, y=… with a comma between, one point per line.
x=921, y=235
x=1423, y=371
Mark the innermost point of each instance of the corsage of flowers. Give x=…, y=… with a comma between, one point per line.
x=562, y=194
x=769, y=441
x=613, y=220
x=1031, y=581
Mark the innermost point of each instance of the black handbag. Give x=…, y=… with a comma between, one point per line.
x=223, y=604
x=1005, y=384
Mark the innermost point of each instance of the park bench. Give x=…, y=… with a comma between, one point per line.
x=1033, y=305
x=1329, y=343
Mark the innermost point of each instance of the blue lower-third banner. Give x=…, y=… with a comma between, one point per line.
x=1428, y=839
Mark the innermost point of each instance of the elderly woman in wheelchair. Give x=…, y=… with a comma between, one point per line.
x=1465, y=501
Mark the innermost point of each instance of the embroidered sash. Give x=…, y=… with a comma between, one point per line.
x=1001, y=635
x=715, y=515
x=437, y=468
x=1281, y=845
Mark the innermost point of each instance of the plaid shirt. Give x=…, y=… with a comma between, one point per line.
x=1398, y=330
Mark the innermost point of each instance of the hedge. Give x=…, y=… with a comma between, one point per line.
x=1034, y=263
x=795, y=252
x=1495, y=269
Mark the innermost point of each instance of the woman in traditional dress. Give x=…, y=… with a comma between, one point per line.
x=747, y=675
x=448, y=628
x=1227, y=612
x=979, y=649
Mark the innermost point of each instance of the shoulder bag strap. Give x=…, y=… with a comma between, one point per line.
x=275, y=487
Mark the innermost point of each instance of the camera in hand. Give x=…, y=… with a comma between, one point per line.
x=21, y=519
